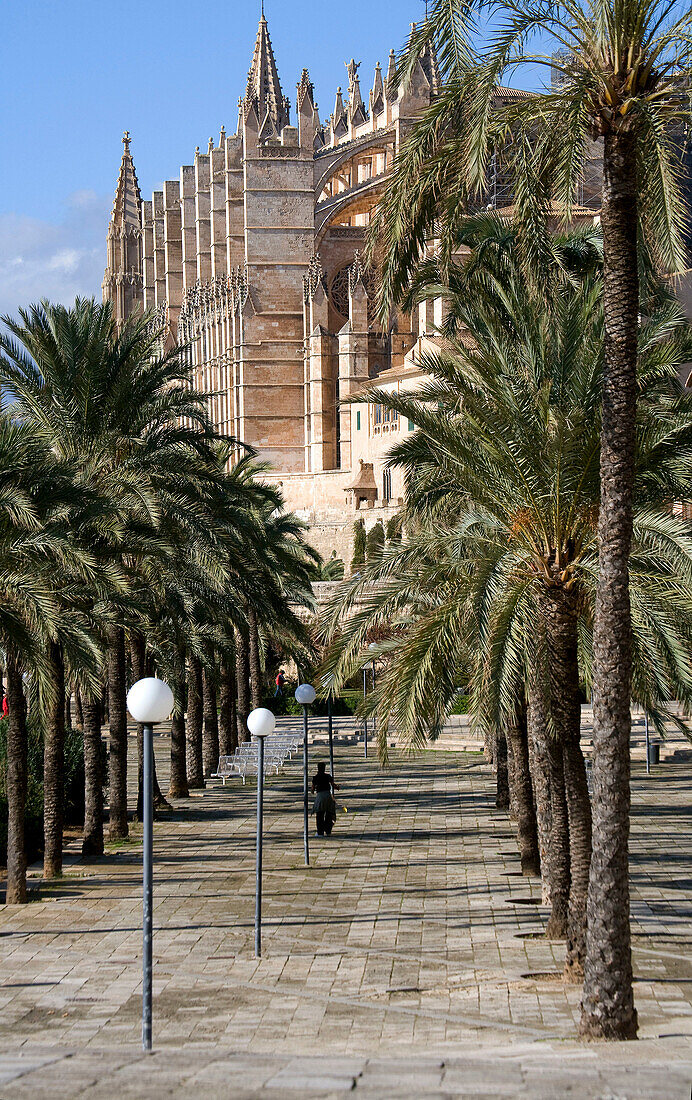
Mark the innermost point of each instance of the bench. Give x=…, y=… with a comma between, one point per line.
x=277, y=749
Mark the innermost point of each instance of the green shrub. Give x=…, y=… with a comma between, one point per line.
x=344, y=704
x=375, y=542
x=358, y=544
x=394, y=529
x=461, y=704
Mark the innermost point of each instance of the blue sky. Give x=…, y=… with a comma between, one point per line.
x=75, y=73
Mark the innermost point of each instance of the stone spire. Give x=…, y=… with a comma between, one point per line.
x=122, y=281
x=356, y=107
x=429, y=65
x=390, y=82
x=263, y=85
x=377, y=92
x=128, y=201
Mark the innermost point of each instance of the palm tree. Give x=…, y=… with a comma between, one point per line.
x=128, y=417
x=502, y=492
x=37, y=498
x=624, y=77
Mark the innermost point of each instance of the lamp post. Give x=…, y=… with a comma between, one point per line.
x=149, y=701
x=330, y=729
x=305, y=695
x=373, y=647
x=365, y=720
x=261, y=724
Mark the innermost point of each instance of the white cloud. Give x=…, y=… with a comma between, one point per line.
x=58, y=261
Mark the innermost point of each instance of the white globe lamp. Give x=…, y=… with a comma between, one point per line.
x=261, y=722
x=150, y=701
x=305, y=694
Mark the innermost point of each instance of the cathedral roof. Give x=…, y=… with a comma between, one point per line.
x=263, y=84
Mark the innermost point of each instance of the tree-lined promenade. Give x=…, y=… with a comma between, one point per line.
x=130, y=543
x=406, y=958
x=541, y=556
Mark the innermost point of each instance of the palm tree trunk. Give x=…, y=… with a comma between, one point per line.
x=256, y=683
x=117, y=756
x=502, y=791
x=138, y=663
x=195, y=769
x=210, y=744
x=548, y=755
x=489, y=746
x=92, y=842
x=608, y=1010
x=54, y=767
x=522, y=795
x=540, y=777
x=17, y=772
x=579, y=812
x=242, y=675
x=67, y=708
x=558, y=851
x=178, y=786
x=78, y=713
x=561, y=607
x=228, y=731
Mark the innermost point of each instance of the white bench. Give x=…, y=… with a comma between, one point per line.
x=277, y=749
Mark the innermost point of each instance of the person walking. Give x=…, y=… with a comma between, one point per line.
x=280, y=681
x=324, y=806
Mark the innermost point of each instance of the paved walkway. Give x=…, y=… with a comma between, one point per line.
x=407, y=961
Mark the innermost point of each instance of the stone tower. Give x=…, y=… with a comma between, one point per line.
x=122, y=281
x=251, y=259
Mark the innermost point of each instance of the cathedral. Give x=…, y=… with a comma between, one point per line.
x=251, y=258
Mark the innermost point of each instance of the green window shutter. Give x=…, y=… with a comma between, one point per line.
x=358, y=420
x=411, y=426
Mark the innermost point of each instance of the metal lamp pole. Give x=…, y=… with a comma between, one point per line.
x=258, y=865
x=373, y=647
x=305, y=694
x=365, y=721
x=330, y=727
x=147, y=882
x=261, y=724
x=149, y=701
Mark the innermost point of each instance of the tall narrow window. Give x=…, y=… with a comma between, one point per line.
x=358, y=420
x=387, y=484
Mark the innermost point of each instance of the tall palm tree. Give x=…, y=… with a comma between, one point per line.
x=625, y=75
x=127, y=416
x=37, y=498
x=502, y=481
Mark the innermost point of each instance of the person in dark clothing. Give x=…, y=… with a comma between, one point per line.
x=325, y=807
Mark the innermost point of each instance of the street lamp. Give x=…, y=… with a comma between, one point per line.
x=261, y=724
x=330, y=730
x=373, y=647
x=365, y=719
x=305, y=695
x=149, y=701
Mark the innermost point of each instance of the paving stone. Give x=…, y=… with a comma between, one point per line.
x=394, y=966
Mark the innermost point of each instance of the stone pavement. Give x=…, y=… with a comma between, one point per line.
x=407, y=961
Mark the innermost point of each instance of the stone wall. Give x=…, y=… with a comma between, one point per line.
x=319, y=500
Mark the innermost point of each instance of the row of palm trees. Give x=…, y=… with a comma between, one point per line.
x=621, y=76
x=129, y=540
x=495, y=583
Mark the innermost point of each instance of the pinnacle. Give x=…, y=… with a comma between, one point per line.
x=263, y=84
x=127, y=204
